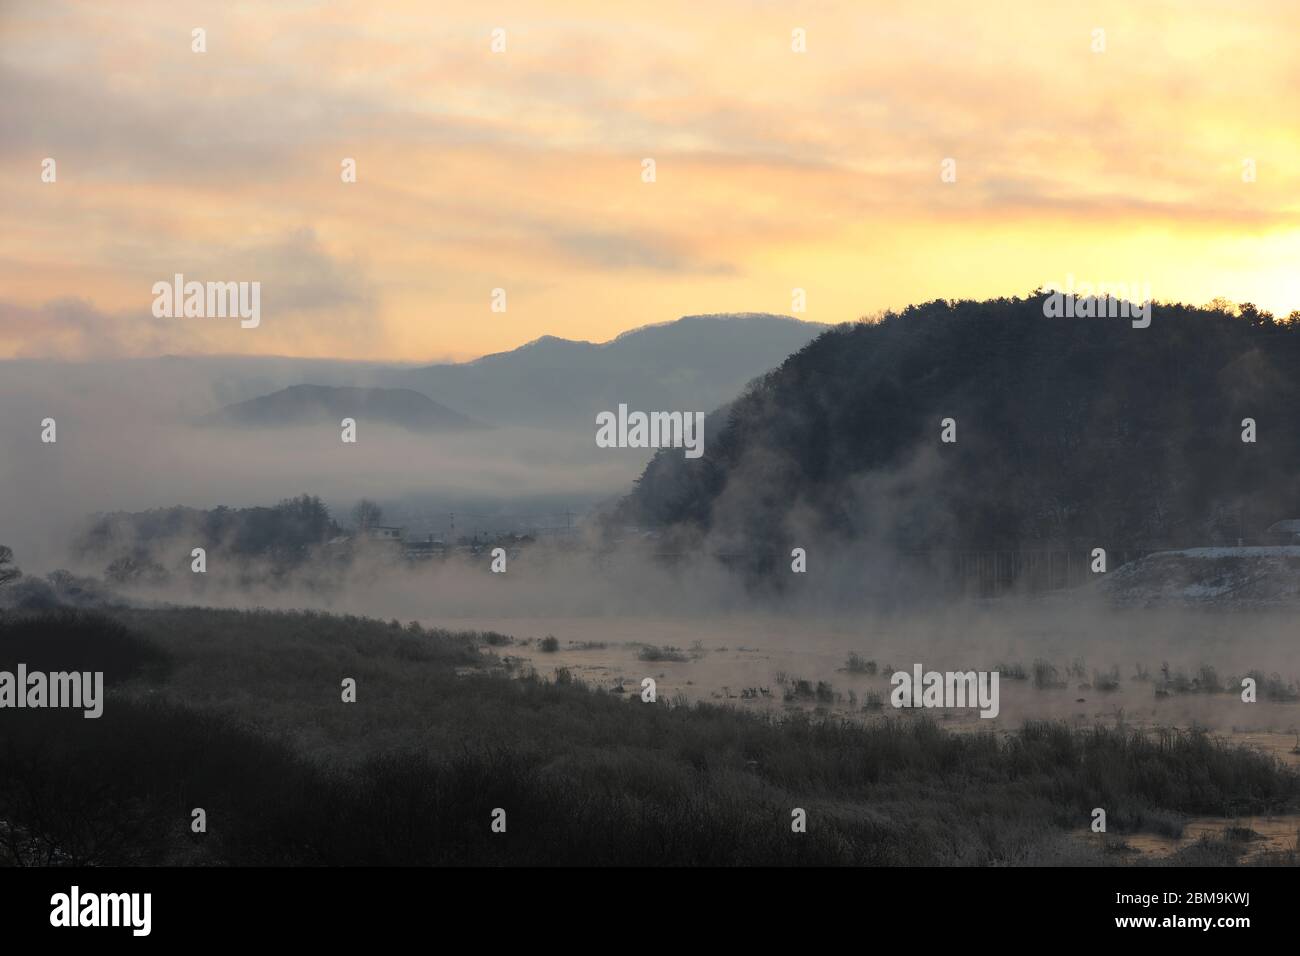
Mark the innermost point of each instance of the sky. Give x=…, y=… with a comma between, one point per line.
x=1089, y=142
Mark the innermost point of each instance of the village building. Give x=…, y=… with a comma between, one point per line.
x=1286, y=531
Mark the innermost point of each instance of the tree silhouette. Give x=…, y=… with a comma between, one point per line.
x=8, y=570
x=366, y=514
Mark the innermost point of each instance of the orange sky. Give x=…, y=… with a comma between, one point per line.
x=522, y=169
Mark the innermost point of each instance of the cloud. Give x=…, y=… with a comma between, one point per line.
x=521, y=169
x=72, y=328
x=610, y=250
x=306, y=295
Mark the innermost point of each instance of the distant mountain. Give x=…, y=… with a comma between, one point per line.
x=1085, y=432
x=693, y=364
x=329, y=404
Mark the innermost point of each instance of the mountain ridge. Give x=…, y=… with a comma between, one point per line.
x=698, y=362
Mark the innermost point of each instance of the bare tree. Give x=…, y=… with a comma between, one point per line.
x=8, y=570
x=366, y=514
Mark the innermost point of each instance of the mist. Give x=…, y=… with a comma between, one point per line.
x=129, y=439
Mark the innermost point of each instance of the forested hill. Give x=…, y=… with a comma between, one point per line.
x=286, y=532
x=1079, y=431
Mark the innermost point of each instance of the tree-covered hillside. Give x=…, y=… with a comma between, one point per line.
x=1069, y=431
x=285, y=533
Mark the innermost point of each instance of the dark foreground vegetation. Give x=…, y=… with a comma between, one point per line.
x=240, y=713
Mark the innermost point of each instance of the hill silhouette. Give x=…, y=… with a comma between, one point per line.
x=695, y=363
